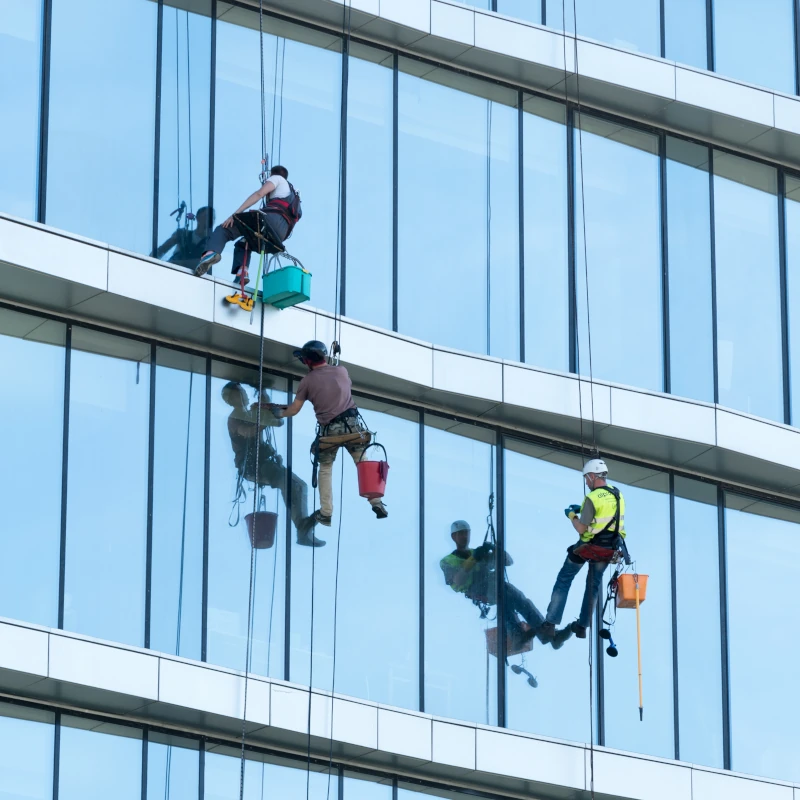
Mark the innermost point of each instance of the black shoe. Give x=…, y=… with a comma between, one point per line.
x=321, y=519
x=380, y=510
x=546, y=632
x=562, y=636
x=578, y=630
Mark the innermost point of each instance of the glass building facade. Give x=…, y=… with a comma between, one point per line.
x=462, y=211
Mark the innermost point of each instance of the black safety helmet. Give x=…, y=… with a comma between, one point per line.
x=315, y=351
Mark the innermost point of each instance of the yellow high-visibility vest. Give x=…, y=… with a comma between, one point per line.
x=605, y=509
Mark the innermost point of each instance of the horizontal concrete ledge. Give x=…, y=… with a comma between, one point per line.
x=91, y=281
x=78, y=672
x=679, y=98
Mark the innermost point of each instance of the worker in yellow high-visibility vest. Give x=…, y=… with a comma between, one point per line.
x=600, y=523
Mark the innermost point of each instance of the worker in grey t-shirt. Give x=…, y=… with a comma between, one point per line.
x=328, y=388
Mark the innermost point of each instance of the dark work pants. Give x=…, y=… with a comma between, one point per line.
x=517, y=603
x=222, y=235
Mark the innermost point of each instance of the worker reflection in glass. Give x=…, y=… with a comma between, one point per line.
x=329, y=390
x=276, y=219
x=189, y=244
x=244, y=433
x=473, y=574
x=600, y=523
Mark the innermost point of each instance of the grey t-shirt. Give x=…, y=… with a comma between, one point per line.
x=328, y=389
x=587, y=515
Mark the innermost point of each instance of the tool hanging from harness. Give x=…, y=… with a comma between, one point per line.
x=324, y=441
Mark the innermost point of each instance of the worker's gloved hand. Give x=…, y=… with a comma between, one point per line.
x=483, y=552
x=572, y=511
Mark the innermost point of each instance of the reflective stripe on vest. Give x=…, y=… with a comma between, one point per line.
x=605, y=509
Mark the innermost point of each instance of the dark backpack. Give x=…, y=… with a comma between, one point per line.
x=290, y=208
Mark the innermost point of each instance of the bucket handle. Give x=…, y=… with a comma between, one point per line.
x=369, y=447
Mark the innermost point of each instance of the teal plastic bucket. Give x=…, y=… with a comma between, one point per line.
x=286, y=287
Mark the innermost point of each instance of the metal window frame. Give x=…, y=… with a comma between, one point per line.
x=521, y=208
x=44, y=110
x=421, y=565
x=710, y=57
x=500, y=572
x=157, y=125
x=784, y=297
x=723, y=613
x=666, y=353
x=62, y=556
x=343, y=175
x=57, y=753
x=151, y=443
x=145, y=750
x=395, y=186
x=662, y=19
x=713, y=242
x=206, y=513
x=212, y=105
x=287, y=598
x=572, y=281
x=673, y=556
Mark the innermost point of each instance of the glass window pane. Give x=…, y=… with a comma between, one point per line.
x=647, y=519
x=303, y=108
x=370, y=171
x=762, y=551
x=100, y=763
x=173, y=768
x=183, y=149
x=748, y=286
x=685, y=32
x=234, y=395
x=546, y=235
x=31, y=434
x=109, y=409
x=537, y=536
x=755, y=43
x=20, y=56
x=529, y=10
x=691, y=330
x=178, y=496
x=618, y=176
x=364, y=788
x=26, y=757
x=460, y=677
x=102, y=112
x=793, y=290
x=699, y=650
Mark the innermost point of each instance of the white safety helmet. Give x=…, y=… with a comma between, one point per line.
x=596, y=466
x=460, y=525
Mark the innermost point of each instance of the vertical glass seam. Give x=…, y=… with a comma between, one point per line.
x=212, y=104
x=723, y=610
x=599, y=681
x=206, y=514
x=499, y=489
x=157, y=125
x=62, y=558
x=343, y=172
x=44, y=110
x=57, y=753
x=571, y=267
x=287, y=589
x=151, y=443
x=784, y=289
x=667, y=378
x=521, y=192
x=544, y=12
x=710, y=35
x=395, y=184
x=201, y=768
x=421, y=572
x=663, y=32
x=713, y=242
x=145, y=739
x=674, y=586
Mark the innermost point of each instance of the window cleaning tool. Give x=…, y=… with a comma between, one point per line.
x=631, y=593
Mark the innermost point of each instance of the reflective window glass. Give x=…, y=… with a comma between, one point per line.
x=539, y=484
x=793, y=291
x=102, y=117
x=26, y=757
x=376, y=645
x=31, y=436
x=691, y=330
x=685, y=32
x=647, y=520
x=104, y=595
x=303, y=120
x=761, y=543
x=173, y=769
x=699, y=650
x=370, y=174
x=361, y=787
x=617, y=197
x=183, y=215
x=239, y=488
x=178, y=497
x=750, y=373
x=755, y=44
x=99, y=761
x=460, y=676
x=529, y=10
x=20, y=56
x=546, y=235
x=630, y=24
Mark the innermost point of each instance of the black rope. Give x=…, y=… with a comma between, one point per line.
x=488, y=226
x=189, y=110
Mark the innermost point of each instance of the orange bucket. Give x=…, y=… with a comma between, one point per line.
x=626, y=590
x=513, y=648
x=261, y=528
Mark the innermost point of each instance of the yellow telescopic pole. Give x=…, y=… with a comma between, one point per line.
x=639, y=646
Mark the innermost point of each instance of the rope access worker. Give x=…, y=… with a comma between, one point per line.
x=471, y=572
x=189, y=244
x=600, y=523
x=244, y=434
x=279, y=214
x=328, y=388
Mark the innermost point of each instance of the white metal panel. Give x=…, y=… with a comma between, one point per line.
x=289, y=708
x=532, y=759
x=650, y=75
x=663, y=416
x=452, y=22
x=112, y=668
x=707, y=785
x=355, y=723
x=53, y=254
x=526, y=42
x=258, y=697
x=453, y=745
x=23, y=649
x=468, y=375
x=404, y=734
x=409, y=13
x=640, y=778
x=201, y=688
x=160, y=285
x=776, y=443
x=787, y=113
x=726, y=97
x=367, y=6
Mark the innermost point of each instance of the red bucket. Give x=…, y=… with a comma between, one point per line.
x=372, y=476
x=261, y=527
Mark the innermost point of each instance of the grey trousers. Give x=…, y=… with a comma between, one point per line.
x=241, y=257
